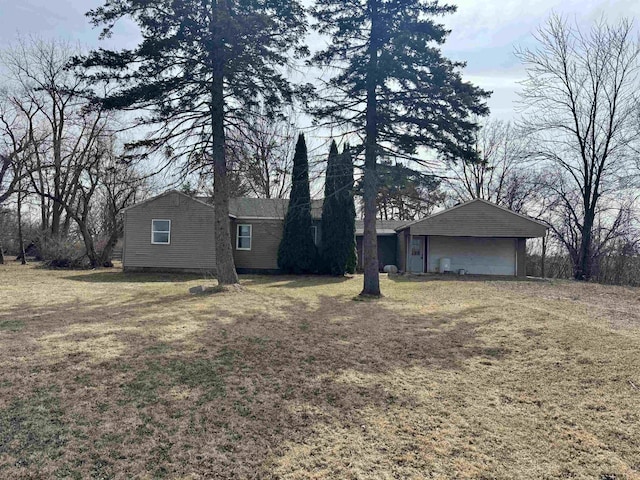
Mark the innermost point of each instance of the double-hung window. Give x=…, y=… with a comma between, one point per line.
x=243, y=237
x=161, y=232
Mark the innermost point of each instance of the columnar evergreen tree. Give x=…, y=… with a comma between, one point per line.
x=201, y=67
x=395, y=89
x=297, y=252
x=338, y=214
x=330, y=228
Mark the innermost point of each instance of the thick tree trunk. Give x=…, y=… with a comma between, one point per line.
x=583, y=268
x=23, y=257
x=92, y=255
x=370, y=241
x=87, y=238
x=44, y=206
x=66, y=227
x=1, y=226
x=56, y=219
x=370, y=184
x=225, y=266
x=56, y=207
x=543, y=257
x=45, y=216
x=107, y=251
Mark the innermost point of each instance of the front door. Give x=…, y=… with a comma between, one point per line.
x=416, y=254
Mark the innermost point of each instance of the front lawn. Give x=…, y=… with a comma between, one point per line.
x=107, y=375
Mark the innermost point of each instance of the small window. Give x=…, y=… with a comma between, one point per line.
x=314, y=234
x=161, y=232
x=243, y=237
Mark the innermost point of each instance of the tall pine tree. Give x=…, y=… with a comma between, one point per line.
x=297, y=252
x=395, y=89
x=350, y=208
x=201, y=67
x=338, y=214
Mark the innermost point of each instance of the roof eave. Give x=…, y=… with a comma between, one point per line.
x=164, y=194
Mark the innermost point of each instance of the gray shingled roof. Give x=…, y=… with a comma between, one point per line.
x=383, y=227
x=247, y=207
x=267, y=207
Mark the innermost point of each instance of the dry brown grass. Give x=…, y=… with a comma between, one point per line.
x=107, y=375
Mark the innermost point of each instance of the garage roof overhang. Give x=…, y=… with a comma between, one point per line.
x=477, y=218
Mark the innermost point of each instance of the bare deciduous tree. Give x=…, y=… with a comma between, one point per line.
x=53, y=99
x=69, y=157
x=262, y=150
x=259, y=158
x=582, y=102
x=120, y=185
x=405, y=193
x=501, y=175
x=14, y=142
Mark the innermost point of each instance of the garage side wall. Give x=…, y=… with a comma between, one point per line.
x=402, y=250
x=522, y=257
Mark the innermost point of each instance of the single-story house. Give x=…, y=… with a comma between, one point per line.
x=174, y=231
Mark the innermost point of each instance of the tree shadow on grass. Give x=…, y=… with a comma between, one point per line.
x=453, y=277
x=251, y=391
x=276, y=281
x=118, y=276
x=294, y=281
x=44, y=319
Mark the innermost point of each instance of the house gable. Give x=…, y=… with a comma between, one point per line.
x=174, y=197
x=191, y=245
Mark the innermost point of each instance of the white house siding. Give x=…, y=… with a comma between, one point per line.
x=480, y=256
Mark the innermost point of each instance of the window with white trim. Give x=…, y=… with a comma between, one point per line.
x=243, y=237
x=161, y=232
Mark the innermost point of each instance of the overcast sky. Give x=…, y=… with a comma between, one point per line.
x=484, y=34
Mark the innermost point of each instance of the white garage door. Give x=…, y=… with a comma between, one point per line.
x=481, y=256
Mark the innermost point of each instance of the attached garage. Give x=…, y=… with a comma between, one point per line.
x=483, y=256
x=478, y=237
